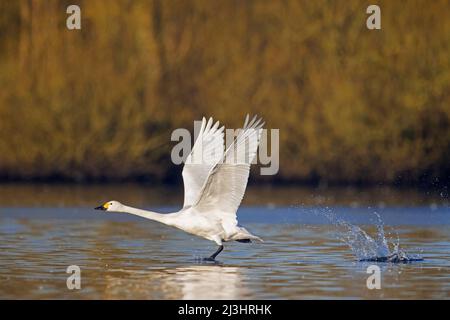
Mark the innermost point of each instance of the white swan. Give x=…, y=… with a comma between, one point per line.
x=213, y=188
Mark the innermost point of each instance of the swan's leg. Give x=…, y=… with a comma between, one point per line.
x=215, y=254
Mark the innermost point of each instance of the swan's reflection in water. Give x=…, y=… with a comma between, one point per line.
x=192, y=282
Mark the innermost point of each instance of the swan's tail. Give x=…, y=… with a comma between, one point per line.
x=244, y=236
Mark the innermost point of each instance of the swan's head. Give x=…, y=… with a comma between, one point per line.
x=115, y=206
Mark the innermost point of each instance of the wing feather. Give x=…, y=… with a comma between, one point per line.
x=207, y=150
x=225, y=185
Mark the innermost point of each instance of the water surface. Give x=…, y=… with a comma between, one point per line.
x=126, y=257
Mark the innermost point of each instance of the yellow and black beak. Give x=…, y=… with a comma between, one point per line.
x=102, y=207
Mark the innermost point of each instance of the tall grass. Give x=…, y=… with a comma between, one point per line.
x=352, y=105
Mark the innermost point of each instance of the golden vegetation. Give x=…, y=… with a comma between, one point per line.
x=353, y=105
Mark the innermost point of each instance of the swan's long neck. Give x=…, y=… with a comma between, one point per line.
x=163, y=218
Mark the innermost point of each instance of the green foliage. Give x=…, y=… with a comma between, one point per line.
x=352, y=105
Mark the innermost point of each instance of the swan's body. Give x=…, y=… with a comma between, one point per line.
x=214, y=187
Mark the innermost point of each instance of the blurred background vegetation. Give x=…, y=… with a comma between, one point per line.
x=353, y=106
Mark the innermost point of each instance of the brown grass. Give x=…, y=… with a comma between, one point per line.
x=352, y=105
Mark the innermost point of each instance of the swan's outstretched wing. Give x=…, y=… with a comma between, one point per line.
x=207, y=150
x=225, y=187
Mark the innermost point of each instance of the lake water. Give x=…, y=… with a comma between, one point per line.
x=45, y=229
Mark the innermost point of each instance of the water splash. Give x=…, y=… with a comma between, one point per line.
x=377, y=248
